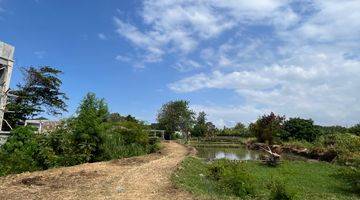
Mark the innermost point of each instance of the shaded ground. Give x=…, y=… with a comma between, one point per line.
x=144, y=177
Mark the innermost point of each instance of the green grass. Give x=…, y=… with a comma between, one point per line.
x=238, y=142
x=306, y=180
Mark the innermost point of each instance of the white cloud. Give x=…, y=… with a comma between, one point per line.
x=187, y=65
x=40, y=54
x=336, y=20
x=177, y=26
x=219, y=80
x=229, y=115
x=326, y=90
x=102, y=36
x=297, y=58
x=123, y=58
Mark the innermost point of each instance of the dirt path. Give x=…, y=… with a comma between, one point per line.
x=144, y=177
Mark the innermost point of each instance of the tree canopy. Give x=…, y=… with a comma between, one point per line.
x=87, y=128
x=301, y=129
x=267, y=127
x=200, y=128
x=39, y=93
x=176, y=116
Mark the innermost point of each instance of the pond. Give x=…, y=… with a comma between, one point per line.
x=240, y=153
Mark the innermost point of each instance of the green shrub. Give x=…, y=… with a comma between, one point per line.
x=121, y=141
x=24, y=152
x=325, y=130
x=231, y=178
x=351, y=177
x=62, y=141
x=346, y=147
x=279, y=192
x=267, y=128
x=87, y=127
x=355, y=129
x=300, y=129
x=154, y=145
x=175, y=136
x=84, y=138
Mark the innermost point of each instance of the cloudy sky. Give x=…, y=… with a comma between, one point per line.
x=234, y=59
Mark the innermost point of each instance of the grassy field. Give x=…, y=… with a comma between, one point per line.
x=305, y=180
x=228, y=142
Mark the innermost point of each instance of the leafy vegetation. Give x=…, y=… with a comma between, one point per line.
x=176, y=116
x=300, y=180
x=38, y=94
x=87, y=137
x=267, y=127
x=200, y=128
x=355, y=129
x=351, y=178
x=279, y=192
x=203, y=128
x=299, y=129
x=231, y=178
x=238, y=130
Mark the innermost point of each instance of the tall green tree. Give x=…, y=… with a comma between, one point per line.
x=176, y=116
x=211, y=129
x=240, y=129
x=200, y=128
x=300, y=129
x=267, y=127
x=39, y=93
x=87, y=127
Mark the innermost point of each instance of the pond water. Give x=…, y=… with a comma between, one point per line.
x=240, y=153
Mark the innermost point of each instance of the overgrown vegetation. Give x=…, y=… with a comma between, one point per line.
x=291, y=180
x=279, y=192
x=176, y=116
x=40, y=93
x=268, y=127
x=231, y=178
x=300, y=129
x=87, y=137
x=351, y=177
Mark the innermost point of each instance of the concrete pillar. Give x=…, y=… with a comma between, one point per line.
x=6, y=68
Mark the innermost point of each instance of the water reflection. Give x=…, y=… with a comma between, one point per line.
x=227, y=153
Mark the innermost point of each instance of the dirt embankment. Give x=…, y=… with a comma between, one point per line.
x=319, y=153
x=144, y=177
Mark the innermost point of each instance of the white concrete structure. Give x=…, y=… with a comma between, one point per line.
x=6, y=67
x=42, y=126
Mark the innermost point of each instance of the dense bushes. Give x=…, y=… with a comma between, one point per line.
x=270, y=128
x=231, y=178
x=127, y=139
x=351, y=177
x=299, y=129
x=279, y=192
x=84, y=138
x=21, y=152
x=344, y=148
x=355, y=129
x=267, y=127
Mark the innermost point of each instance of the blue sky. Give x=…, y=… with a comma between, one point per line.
x=234, y=59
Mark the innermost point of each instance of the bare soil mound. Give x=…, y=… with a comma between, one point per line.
x=143, y=177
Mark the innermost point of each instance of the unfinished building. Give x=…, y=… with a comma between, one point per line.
x=6, y=67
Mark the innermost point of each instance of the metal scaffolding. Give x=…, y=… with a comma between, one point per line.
x=6, y=67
